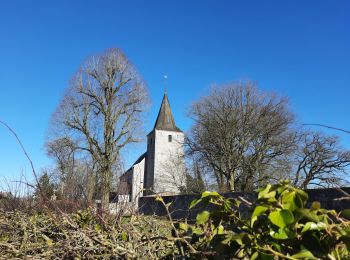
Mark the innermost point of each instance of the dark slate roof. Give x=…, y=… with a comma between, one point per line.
x=165, y=119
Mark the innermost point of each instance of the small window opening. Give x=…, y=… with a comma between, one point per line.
x=170, y=138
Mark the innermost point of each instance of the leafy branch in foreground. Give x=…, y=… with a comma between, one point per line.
x=279, y=225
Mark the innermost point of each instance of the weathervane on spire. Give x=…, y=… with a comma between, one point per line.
x=165, y=83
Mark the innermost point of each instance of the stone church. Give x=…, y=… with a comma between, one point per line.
x=160, y=170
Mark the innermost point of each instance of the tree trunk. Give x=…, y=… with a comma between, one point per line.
x=221, y=183
x=231, y=182
x=106, y=187
x=90, y=186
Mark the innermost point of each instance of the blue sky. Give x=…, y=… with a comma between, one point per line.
x=296, y=48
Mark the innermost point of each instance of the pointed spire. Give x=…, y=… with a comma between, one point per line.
x=165, y=119
x=165, y=83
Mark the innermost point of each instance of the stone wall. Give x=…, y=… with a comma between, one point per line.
x=329, y=199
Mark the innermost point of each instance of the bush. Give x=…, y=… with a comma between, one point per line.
x=82, y=235
x=278, y=226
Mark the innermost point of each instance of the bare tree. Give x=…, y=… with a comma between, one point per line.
x=195, y=178
x=174, y=173
x=240, y=132
x=320, y=161
x=75, y=171
x=63, y=150
x=102, y=111
x=16, y=194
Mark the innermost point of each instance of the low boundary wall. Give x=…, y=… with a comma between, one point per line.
x=330, y=198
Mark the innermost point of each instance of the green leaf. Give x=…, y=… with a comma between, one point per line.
x=236, y=202
x=314, y=226
x=183, y=227
x=240, y=239
x=202, y=217
x=346, y=240
x=210, y=193
x=257, y=212
x=261, y=256
x=303, y=254
x=254, y=256
x=266, y=194
x=302, y=194
x=282, y=186
x=281, y=218
x=264, y=256
x=345, y=214
x=315, y=205
x=220, y=230
x=309, y=226
x=345, y=231
x=307, y=214
x=291, y=200
x=205, y=198
x=194, y=203
x=280, y=234
x=276, y=246
x=98, y=227
x=227, y=205
x=4, y=238
x=196, y=230
x=124, y=236
x=159, y=198
x=270, y=197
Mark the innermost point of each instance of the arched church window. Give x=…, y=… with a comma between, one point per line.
x=170, y=138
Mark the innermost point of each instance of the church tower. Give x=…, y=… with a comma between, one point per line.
x=165, y=168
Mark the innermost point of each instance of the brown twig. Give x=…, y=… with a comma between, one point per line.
x=330, y=127
x=27, y=156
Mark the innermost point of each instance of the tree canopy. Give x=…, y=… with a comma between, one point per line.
x=102, y=112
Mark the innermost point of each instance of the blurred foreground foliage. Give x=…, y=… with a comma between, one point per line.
x=278, y=225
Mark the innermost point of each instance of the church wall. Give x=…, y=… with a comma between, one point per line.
x=168, y=162
x=149, y=174
x=137, y=180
